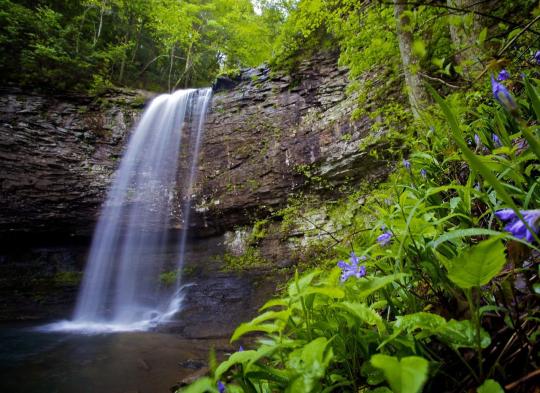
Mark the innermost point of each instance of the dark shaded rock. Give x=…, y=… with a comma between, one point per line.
x=225, y=83
x=57, y=156
x=193, y=364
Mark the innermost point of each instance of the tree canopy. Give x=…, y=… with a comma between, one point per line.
x=152, y=44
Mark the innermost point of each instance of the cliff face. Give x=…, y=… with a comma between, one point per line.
x=265, y=134
x=57, y=155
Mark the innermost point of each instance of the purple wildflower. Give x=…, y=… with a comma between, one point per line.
x=502, y=95
x=503, y=75
x=384, y=239
x=496, y=141
x=220, y=387
x=517, y=227
x=423, y=172
x=477, y=140
x=352, y=269
x=241, y=349
x=407, y=164
x=537, y=57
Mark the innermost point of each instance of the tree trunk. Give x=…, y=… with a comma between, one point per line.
x=171, y=66
x=100, y=26
x=418, y=96
x=464, y=36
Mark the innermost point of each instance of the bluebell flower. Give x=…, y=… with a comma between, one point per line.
x=502, y=95
x=407, y=164
x=384, y=239
x=423, y=172
x=517, y=227
x=221, y=387
x=537, y=57
x=496, y=141
x=503, y=75
x=477, y=140
x=352, y=269
x=241, y=349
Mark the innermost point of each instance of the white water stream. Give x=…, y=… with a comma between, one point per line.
x=121, y=288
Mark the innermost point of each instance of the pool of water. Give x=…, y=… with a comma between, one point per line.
x=144, y=362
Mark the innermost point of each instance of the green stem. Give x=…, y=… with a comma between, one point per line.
x=476, y=320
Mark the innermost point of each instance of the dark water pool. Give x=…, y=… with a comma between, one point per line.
x=143, y=362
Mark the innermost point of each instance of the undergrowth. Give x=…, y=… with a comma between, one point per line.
x=440, y=292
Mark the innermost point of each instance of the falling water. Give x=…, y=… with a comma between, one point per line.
x=121, y=288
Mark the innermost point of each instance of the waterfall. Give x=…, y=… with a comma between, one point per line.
x=121, y=285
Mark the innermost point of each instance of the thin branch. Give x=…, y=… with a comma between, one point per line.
x=465, y=11
x=432, y=78
x=518, y=35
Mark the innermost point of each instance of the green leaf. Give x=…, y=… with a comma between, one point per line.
x=482, y=36
x=460, y=233
x=534, y=97
x=298, y=285
x=420, y=320
x=490, y=386
x=419, y=48
x=245, y=328
x=236, y=358
x=274, y=303
x=407, y=375
x=462, y=334
x=310, y=362
x=373, y=375
x=364, y=314
x=336, y=293
x=478, y=264
x=205, y=384
x=369, y=285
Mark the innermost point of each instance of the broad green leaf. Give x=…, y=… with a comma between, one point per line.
x=310, y=362
x=364, y=314
x=478, y=264
x=298, y=285
x=336, y=293
x=236, y=358
x=274, y=303
x=420, y=320
x=490, y=386
x=407, y=375
x=245, y=328
x=462, y=334
x=373, y=375
x=269, y=315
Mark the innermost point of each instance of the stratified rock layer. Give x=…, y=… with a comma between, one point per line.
x=57, y=156
x=263, y=134
x=271, y=130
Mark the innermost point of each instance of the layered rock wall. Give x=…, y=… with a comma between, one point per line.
x=58, y=154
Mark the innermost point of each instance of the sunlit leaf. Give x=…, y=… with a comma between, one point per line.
x=407, y=375
x=478, y=264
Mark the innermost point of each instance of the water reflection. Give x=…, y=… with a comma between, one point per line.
x=31, y=361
